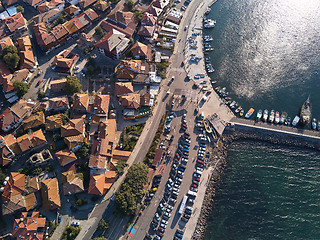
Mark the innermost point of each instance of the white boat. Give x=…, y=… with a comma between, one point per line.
x=295, y=121
x=271, y=117
x=259, y=114
x=277, y=118
x=209, y=23
x=265, y=115
x=283, y=117
x=249, y=113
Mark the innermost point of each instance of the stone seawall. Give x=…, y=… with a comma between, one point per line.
x=219, y=161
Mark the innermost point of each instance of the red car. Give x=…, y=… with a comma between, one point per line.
x=194, y=185
x=177, y=155
x=197, y=179
x=199, y=161
x=39, y=82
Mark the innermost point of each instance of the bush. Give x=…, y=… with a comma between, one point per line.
x=56, y=137
x=37, y=171
x=73, y=85
x=41, y=95
x=20, y=9
x=138, y=15
x=162, y=75
x=121, y=166
x=21, y=88
x=79, y=202
x=70, y=233
x=99, y=31
x=60, y=20
x=130, y=5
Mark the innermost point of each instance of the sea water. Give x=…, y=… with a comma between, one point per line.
x=267, y=53
x=267, y=192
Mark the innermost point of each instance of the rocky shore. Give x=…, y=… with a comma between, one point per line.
x=219, y=162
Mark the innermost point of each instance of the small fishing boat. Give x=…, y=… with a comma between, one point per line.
x=314, y=124
x=305, y=113
x=295, y=121
x=277, y=118
x=249, y=113
x=265, y=115
x=288, y=121
x=271, y=117
x=208, y=11
x=241, y=113
x=318, y=127
x=213, y=82
x=283, y=117
x=259, y=114
x=238, y=109
x=232, y=105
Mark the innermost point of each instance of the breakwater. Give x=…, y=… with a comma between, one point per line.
x=220, y=155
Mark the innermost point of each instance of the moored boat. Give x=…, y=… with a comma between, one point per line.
x=249, y=113
x=288, y=121
x=271, y=117
x=305, y=113
x=314, y=124
x=265, y=115
x=241, y=113
x=238, y=109
x=318, y=127
x=295, y=121
x=283, y=117
x=259, y=114
x=277, y=118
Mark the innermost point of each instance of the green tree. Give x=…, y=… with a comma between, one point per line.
x=131, y=189
x=104, y=225
x=100, y=238
x=37, y=171
x=65, y=117
x=84, y=150
x=11, y=60
x=130, y=5
x=99, y=31
x=60, y=20
x=9, y=49
x=79, y=202
x=121, y=164
x=70, y=233
x=73, y=85
x=21, y=88
x=41, y=95
x=20, y=9
x=138, y=15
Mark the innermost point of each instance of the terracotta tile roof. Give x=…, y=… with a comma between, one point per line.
x=73, y=128
x=15, y=22
x=22, y=108
x=58, y=102
x=119, y=154
x=74, y=141
x=38, y=138
x=6, y=155
x=65, y=156
x=128, y=31
x=4, y=71
x=81, y=101
x=32, y=184
x=91, y=14
x=121, y=17
x=73, y=25
x=29, y=226
x=114, y=42
x=46, y=6
x=145, y=99
x=127, y=69
x=139, y=49
x=14, y=186
x=83, y=18
x=130, y=101
x=30, y=201
x=7, y=117
x=71, y=183
x=26, y=54
x=101, y=104
x=101, y=5
x=59, y=31
x=35, y=120
x=10, y=2
x=24, y=142
x=33, y=2
x=10, y=140
x=159, y=4
x=154, y=11
x=44, y=38
x=50, y=194
x=86, y=3
x=65, y=60
x=18, y=76
x=123, y=88
x=148, y=19
x=146, y=31
x=53, y=122
x=4, y=42
x=96, y=184
x=71, y=9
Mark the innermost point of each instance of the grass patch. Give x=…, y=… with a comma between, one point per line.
x=152, y=150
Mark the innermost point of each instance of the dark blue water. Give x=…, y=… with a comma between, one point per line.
x=267, y=192
x=267, y=53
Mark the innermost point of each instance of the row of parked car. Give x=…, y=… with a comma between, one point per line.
x=172, y=190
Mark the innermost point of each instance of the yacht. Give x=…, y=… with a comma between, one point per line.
x=265, y=115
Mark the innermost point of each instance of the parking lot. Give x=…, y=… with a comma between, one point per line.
x=170, y=208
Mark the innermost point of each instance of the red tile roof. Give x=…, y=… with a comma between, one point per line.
x=148, y=19
x=123, y=88
x=146, y=31
x=65, y=157
x=101, y=104
x=15, y=22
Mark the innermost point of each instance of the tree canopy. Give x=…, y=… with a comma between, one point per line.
x=73, y=85
x=10, y=57
x=21, y=88
x=104, y=225
x=20, y=9
x=132, y=188
x=98, y=31
x=130, y=5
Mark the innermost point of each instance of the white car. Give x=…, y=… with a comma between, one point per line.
x=164, y=226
